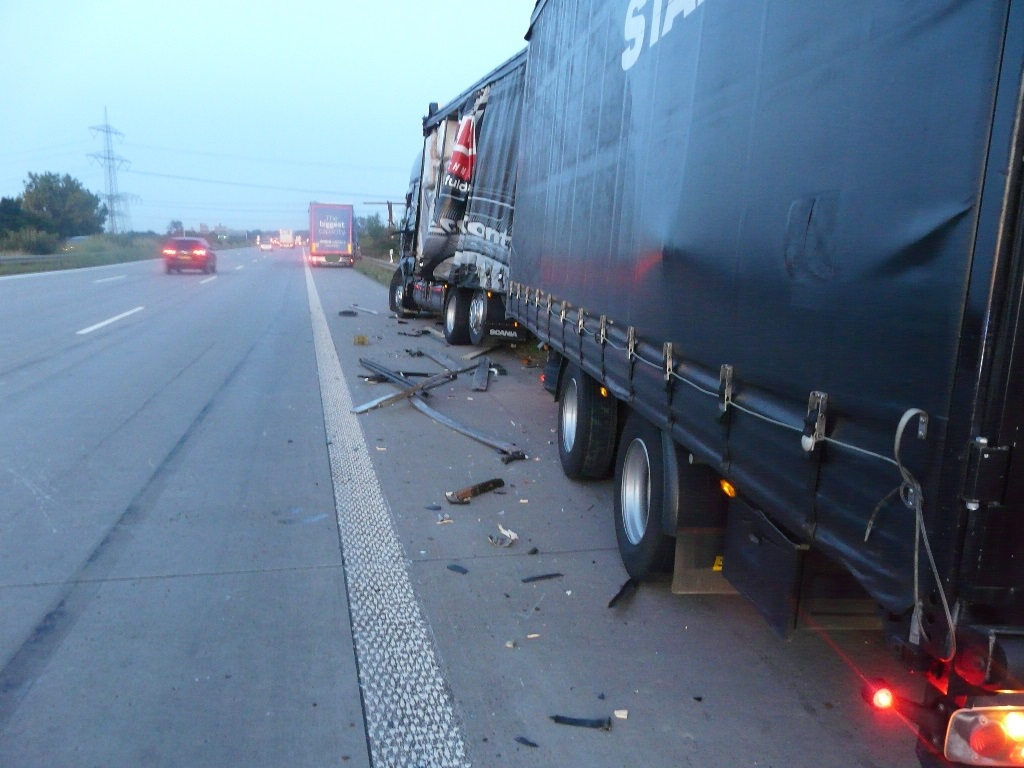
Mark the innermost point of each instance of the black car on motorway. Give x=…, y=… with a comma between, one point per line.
x=188, y=253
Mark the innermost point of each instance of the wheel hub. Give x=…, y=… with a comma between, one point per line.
x=636, y=492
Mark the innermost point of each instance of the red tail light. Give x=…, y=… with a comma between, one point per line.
x=199, y=251
x=169, y=251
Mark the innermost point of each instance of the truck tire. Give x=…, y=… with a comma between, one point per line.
x=397, y=299
x=480, y=311
x=642, y=471
x=456, y=316
x=587, y=421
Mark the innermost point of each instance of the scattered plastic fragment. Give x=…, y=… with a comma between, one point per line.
x=526, y=742
x=626, y=591
x=434, y=507
x=598, y=723
x=542, y=577
x=533, y=636
x=364, y=309
x=510, y=644
x=348, y=313
x=360, y=340
x=533, y=551
x=463, y=495
x=507, y=539
x=457, y=569
x=444, y=519
x=622, y=714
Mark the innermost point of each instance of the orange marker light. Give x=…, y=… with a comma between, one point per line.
x=604, y=391
x=728, y=488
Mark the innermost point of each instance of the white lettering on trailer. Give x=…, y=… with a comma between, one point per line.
x=663, y=14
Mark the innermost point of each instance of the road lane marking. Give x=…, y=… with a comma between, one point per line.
x=409, y=712
x=208, y=279
x=110, y=279
x=114, y=319
x=240, y=266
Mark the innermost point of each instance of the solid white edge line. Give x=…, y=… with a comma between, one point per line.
x=409, y=712
x=114, y=319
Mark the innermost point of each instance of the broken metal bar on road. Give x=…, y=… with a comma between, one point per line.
x=410, y=391
x=509, y=452
x=482, y=375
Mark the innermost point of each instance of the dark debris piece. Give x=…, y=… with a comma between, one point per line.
x=348, y=313
x=433, y=507
x=597, y=723
x=625, y=593
x=542, y=577
x=526, y=742
x=454, y=568
x=533, y=551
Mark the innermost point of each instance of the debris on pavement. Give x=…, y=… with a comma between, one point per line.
x=598, y=723
x=463, y=495
x=415, y=334
x=626, y=591
x=348, y=313
x=360, y=340
x=478, y=352
x=394, y=397
x=542, y=577
x=622, y=714
x=434, y=507
x=510, y=644
x=364, y=309
x=482, y=375
x=533, y=551
x=457, y=569
x=444, y=519
x=526, y=742
x=533, y=636
x=507, y=539
x=509, y=452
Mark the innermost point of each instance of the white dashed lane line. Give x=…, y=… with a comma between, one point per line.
x=108, y=321
x=208, y=279
x=240, y=266
x=110, y=279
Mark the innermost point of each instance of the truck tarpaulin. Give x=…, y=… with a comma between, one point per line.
x=777, y=228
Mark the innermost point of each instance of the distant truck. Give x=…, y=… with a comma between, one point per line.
x=331, y=240
x=285, y=238
x=777, y=252
x=456, y=236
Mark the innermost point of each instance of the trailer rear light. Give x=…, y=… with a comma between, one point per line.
x=986, y=736
x=727, y=488
x=168, y=251
x=199, y=251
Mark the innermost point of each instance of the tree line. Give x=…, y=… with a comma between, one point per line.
x=51, y=209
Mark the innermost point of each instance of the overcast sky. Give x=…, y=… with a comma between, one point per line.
x=238, y=112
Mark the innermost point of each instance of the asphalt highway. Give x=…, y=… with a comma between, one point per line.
x=207, y=560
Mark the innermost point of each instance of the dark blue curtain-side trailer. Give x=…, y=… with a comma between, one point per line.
x=457, y=240
x=775, y=248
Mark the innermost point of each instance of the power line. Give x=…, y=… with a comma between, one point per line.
x=245, y=185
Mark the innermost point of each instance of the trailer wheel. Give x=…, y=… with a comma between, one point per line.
x=456, y=316
x=641, y=473
x=397, y=299
x=587, y=421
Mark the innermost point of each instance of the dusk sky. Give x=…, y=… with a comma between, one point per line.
x=238, y=113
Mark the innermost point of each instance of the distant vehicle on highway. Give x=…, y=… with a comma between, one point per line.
x=181, y=253
x=266, y=246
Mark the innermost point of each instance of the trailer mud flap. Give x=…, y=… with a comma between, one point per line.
x=764, y=564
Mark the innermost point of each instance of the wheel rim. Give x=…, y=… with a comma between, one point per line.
x=477, y=310
x=570, y=415
x=636, y=491
x=449, y=315
x=399, y=296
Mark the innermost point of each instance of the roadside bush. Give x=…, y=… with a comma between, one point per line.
x=30, y=240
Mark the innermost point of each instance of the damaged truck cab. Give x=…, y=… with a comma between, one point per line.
x=777, y=253
x=459, y=211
